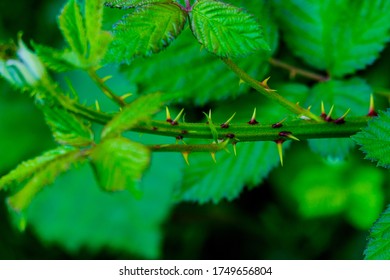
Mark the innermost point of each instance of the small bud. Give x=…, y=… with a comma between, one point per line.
x=20, y=66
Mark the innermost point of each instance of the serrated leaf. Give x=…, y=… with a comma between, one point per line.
x=72, y=27
x=28, y=168
x=45, y=176
x=127, y=4
x=138, y=111
x=226, y=30
x=337, y=36
x=351, y=94
x=147, y=30
x=378, y=247
x=67, y=129
x=76, y=215
x=119, y=164
x=375, y=139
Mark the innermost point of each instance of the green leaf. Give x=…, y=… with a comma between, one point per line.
x=27, y=169
x=375, y=139
x=72, y=27
x=226, y=30
x=127, y=4
x=147, y=30
x=44, y=176
x=76, y=215
x=119, y=164
x=351, y=94
x=138, y=111
x=337, y=36
x=67, y=129
x=378, y=247
x=209, y=78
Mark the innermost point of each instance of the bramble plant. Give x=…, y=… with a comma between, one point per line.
x=187, y=54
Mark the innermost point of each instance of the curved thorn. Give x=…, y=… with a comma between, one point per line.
x=168, y=114
x=213, y=157
x=185, y=156
x=226, y=124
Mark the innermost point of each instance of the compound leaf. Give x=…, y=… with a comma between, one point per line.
x=119, y=164
x=139, y=110
x=67, y=129
x=226, y=30
x=378, y=247
x=375, y=139
x=147, y=30
x=72, y=27
x=351, y=94
x=128, y=4
x=337, y=36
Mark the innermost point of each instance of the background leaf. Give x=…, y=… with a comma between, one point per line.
x=119, y=164
x=226, y=30
x=127, y=4
x=337, y=36
x=378, y=247
x=374, y=139
x=147, y=30
x=351, y=94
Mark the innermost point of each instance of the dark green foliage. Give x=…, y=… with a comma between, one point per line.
x=378, y=247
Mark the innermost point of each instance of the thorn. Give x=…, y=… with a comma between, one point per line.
x=240, y=82
x=123, y=97
x=168, y=115
x=323, y=113
x=176, y=120
x=264, y=83
x=371, y=111
x=329, y=116
x=97, y=105
x=235, y=148
x=226, y=124
x=341, y=120
x=179, y=138
x=185, y=156
x=210, y=114
x=213, y=157
x=309, y=108
x=279, y=124
x=297, y=103
x=279, y=144
x=253, y=119
x=289, y=135
x=106, y=78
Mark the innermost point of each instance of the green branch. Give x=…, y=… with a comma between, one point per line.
x=262, y=88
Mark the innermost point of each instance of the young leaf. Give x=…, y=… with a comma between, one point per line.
x=67, y=129
x=45, y=176
x=119, y=164
x=375, y=139
x=138, y=111
x=226, y=30
x=128, y=4
x=72, y=27
x=337, y=36
x=351, y=94
x=149, y=29
x=378, y=247
x=27, y=169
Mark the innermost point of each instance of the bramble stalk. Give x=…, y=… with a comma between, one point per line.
x=269, y=93
x=297, y=71
x=105, y=89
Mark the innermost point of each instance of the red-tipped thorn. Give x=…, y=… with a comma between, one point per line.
x=185, y=156
x=328, y=118
x=227, y=123
x=279, y=124
x=341, y=119
x=289, y=135
x=168, y=115
x=323, y=113
x=264, y=83
x=279, y=144
x=253, y=119
x=371, y=111
x=176, y=120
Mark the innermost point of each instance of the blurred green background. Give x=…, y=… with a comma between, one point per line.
x=312, y=208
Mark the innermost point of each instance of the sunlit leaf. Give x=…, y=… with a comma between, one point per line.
x=127, y=4
x=225, y=29
x=375, y=139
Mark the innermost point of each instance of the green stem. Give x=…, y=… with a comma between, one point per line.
x=105, y=89
x=269, y=93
